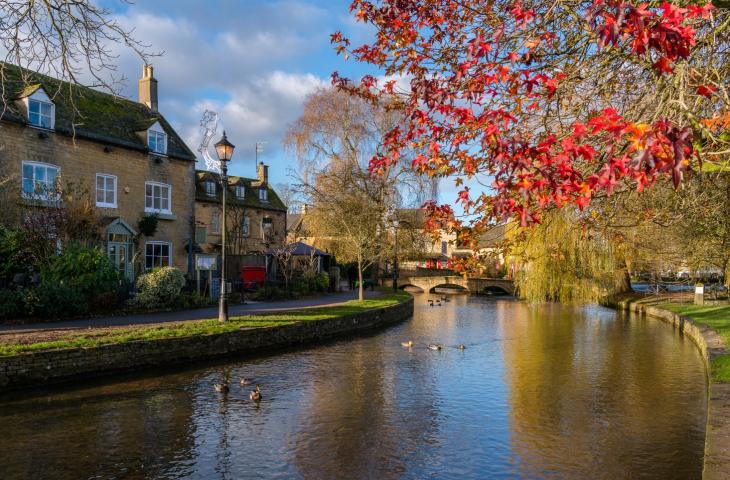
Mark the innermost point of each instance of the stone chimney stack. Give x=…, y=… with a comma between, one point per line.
x=262, y=172
x=148, y=88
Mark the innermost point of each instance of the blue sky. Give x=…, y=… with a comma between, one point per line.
x=252, y=61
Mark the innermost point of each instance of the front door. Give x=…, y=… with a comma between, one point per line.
x=120, y=253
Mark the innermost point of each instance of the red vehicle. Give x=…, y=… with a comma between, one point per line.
x=253, y=277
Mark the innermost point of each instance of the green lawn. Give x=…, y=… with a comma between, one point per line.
x=97, y=337
x=716, y=317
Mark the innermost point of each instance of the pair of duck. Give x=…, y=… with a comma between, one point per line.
x=431, y=304
x=224, y=387
x=431, y=346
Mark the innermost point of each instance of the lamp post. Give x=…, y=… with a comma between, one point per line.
x=224, y=149
x=395, y=255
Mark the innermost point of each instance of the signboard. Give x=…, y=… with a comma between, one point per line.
x=699, y=289
x=206, y=262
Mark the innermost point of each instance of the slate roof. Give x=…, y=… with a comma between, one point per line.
x=251, y=198
x=100, y=116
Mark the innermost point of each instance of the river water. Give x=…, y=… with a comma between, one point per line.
x=545, y=391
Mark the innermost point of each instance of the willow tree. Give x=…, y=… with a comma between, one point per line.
x=561, y=261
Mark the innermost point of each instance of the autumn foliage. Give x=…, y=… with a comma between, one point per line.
x=501, y=92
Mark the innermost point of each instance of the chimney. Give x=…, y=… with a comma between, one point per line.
x=262, y=173
x=148, y=88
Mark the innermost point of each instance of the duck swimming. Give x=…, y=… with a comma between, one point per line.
x=407, y=344
x=461, y=347
x=434, y=346
x=256, y=394
x=221, y=387
x=245, y=381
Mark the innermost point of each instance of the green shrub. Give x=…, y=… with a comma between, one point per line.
x=271, y=293
x=192, y=300
x=87, y=270
x=311, y=283
x=54, y=300
x=13, y=258
x=11, y=304
x=159, y=288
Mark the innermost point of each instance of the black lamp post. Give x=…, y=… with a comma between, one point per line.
x=395, y=254
x=224, y=149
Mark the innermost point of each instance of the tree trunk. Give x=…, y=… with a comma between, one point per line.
x=361, y=288
x=622, y=280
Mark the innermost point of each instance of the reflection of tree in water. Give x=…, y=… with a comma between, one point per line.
x=601, y=390
x=367, y=416
x=112, y=430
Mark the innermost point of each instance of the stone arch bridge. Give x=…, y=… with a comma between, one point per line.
x=475, y=285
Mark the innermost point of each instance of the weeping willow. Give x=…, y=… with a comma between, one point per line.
x=564, y=261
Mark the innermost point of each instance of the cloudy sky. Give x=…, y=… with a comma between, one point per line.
x=252, y=61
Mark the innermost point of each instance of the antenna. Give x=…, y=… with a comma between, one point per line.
x=259, y=149
x=208, y=127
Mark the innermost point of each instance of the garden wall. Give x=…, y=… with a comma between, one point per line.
x=40, y=368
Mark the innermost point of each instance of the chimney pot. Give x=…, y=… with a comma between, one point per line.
x=148, y=88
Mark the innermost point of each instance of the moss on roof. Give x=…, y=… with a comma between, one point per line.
x=85, y=112
x=251, y=198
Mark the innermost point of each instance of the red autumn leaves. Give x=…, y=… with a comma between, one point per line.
x=477, y=85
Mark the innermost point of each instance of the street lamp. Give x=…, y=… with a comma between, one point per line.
x=224, y=149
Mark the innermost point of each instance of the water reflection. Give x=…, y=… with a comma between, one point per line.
x=539, y=392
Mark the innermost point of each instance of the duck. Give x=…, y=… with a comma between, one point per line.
x=461, y=347
x=407, y=344
x=430, y=302
x=221, y=387
x=245, y=381
x=434, y=346
x=445, y=299
x=256, y=394
x=438, y=304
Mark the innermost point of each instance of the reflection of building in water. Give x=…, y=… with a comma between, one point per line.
x=597, y=390
x=368, y=413
x=77, y=434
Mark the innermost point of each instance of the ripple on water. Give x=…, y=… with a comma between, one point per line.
x=544, y=391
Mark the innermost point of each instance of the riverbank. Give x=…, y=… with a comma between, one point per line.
x=699, y=323
x=37, y=358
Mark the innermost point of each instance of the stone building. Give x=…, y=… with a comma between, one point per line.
x=123, y=152
x=256, y=218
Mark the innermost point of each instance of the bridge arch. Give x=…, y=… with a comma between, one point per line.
x=409, y=287
x=450, y=286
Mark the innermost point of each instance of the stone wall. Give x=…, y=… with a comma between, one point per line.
x=717, y=435
x=40, y=368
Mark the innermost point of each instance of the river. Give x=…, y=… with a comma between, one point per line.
x=542, y=391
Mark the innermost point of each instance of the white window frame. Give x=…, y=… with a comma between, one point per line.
x=39, y=196
x=156, y=132
x=207, y=185
x=40, y=97
x=105, y=204
x=152, y=243
x=263, y=195
x=152, y=209
x=263, y=230
x=240, y=191
x=246, y=227
x=215, y=223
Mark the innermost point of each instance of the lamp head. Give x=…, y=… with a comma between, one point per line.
x=224, y=149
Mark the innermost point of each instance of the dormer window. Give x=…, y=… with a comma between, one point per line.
x=157, y=139
x=240, y=191
x=209, y=188
x=263, y=195
x=41, y=111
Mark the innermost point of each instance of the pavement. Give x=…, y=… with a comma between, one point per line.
x=250, y=308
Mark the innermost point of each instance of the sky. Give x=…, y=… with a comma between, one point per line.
x=252, y=61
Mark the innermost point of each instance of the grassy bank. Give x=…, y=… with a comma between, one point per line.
x=716, y=317
x=95, y=337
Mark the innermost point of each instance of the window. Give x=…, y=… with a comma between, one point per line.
x=240, y=191
x=444, y=248
x=157, y=254
x=267, y=227
x=215, y=223
x=157, y=197
x=246, y=227
x=201, y=234
x=39, y=180
x=263, y=195
x=40, y=113
x=210, y=188
x=106, y=190
x=157, y=139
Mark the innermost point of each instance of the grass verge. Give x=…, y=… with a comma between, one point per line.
x=716, y=317
x=105, y=336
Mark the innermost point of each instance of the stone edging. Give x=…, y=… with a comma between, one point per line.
x=55, y=366
x=710, y=344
